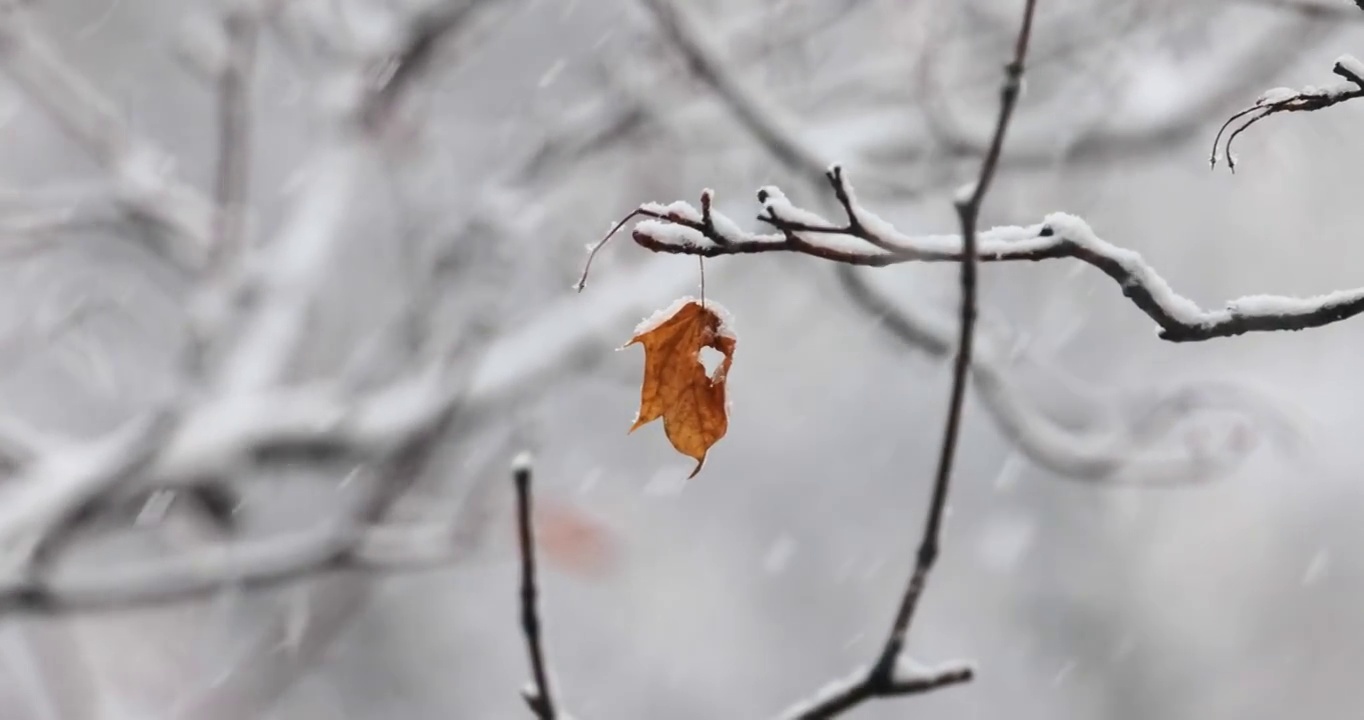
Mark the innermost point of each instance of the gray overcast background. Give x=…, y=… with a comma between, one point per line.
x=777, y=569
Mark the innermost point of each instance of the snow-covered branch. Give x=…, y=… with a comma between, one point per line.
x=177, y=448
x=864, y=684
x=1281, y=100
x=238, y=418
x=242, y=564
x=143, y=174
x=863, y=238
x=1108, y=452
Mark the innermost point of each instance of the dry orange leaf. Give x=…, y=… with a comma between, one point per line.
x=676, y=386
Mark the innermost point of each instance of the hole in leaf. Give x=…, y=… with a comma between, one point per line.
x=710, y=359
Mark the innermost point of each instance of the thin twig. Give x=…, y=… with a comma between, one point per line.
x=426, y=33
x=1333, y=10
x=538, y=697
x=758, y=115
x=884, y=678
x=1281, y=100
x=968, y=211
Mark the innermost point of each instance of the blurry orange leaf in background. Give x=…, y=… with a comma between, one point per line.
x=573, y=541
x=676, y=386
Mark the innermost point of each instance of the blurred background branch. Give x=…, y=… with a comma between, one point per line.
x=415, y=180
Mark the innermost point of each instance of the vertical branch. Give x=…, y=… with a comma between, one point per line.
x=538, y=697
x=886, y=678
x=227, y=235
x=968, y=206
x=241, y=26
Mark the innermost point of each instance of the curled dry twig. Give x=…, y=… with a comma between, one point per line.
x=1282, y=100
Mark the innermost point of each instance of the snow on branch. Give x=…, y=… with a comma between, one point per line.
x=245, y=414
x=863, y=238
x=176, y=448
x=864, y=684
x=1112, y=452
x=143, y=174
x=245, y=564
x=1281, y=99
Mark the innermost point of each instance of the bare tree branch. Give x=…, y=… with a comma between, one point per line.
x=1118, y=452
x=886, y=676
x=426, y=33
x=1111, y=455
x=539, y=697
x=843, y=695
x=1281, y=100
x=1311, y=8
x=266, y=294
x=241, y=26
x=245, y=564
x=865, y=239
x=754, y=112
x=142, y=172
x=293, y=267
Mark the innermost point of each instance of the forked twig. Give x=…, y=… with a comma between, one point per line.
x=1281, y=100
x=886, y=677
x=868, y=240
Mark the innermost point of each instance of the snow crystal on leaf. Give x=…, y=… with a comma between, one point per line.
x=661, y=316
x=726, y=328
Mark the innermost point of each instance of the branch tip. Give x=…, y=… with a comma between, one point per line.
x=592, y=254
x=522, y=463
